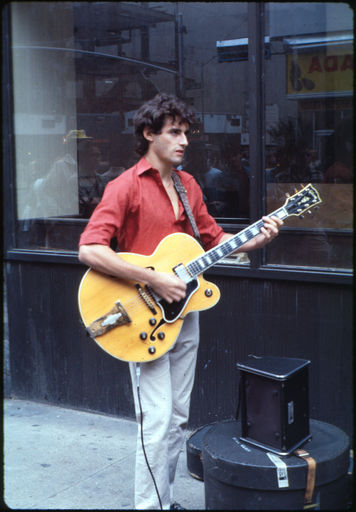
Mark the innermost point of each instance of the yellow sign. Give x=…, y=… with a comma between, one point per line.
x=320, y=72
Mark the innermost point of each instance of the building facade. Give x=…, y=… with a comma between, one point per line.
x=272, y=85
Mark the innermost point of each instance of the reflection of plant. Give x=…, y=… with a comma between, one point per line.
x=290, y=148
x=288, y=139
x=284, y=135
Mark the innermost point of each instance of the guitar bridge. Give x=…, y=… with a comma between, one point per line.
x=146, y=295
x=114, y=318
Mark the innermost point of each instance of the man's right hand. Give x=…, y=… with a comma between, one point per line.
x=167, y=286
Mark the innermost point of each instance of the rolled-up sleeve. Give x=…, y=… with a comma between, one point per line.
x=107, y=219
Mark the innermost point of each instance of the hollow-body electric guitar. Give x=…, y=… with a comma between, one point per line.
x=131, y=322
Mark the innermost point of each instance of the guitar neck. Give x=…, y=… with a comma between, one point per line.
x=211, y=257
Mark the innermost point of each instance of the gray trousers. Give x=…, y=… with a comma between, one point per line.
x=165, y=389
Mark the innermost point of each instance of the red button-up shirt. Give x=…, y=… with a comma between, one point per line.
x=136, y=209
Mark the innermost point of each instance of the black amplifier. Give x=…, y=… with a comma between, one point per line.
x=274, y=401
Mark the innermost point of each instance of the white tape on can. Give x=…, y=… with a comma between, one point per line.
x=282, y=472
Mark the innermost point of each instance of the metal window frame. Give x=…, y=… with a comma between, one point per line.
x=8, y=157
x=256, y=116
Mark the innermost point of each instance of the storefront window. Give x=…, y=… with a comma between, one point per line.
x=80, y=72
x=309, y=129
x=82, y=69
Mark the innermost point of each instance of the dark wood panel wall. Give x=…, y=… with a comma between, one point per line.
x=52, y=359
x=277, y=318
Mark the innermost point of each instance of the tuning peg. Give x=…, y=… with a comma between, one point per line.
x=309, y=212
x=287, y=194
x=301, y=216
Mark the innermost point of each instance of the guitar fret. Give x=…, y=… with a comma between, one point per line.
x=200, y=263
x=248, y=233
x=281, y=214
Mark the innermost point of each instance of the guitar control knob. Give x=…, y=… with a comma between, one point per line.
x=143, y=336
x=152, y=350
x=208, y=292
x=161, y=335
x=153, y=321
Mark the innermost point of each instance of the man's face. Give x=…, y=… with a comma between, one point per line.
x=167, y=147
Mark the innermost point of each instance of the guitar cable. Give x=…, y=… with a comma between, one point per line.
x=138, y=373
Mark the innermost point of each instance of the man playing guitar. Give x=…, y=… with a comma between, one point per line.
x=139, y=209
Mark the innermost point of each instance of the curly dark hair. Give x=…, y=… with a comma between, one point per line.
x=153, y=114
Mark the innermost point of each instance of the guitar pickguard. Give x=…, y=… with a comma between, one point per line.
x=173, y=311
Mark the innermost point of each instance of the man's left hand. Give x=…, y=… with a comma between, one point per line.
x=269, y=231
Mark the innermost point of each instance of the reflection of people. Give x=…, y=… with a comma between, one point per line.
x=340, y=171
x=213, y=175
x=201, y=163
x=89, y=159
x=282, y=172
x=271, y=167
x=313, y=171
x=139, y=208
x=70, y=188
x=104, y=177
x=239, y=183
x=214, y=186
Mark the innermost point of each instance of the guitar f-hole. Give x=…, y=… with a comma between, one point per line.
x=153, y=337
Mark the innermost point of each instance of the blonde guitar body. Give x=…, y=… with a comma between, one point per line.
x=135, y=328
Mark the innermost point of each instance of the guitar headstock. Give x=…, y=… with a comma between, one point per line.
x=302, y=201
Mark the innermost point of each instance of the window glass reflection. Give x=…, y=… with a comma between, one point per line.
x=309, y=129
x=81, y=70
x=77, y=88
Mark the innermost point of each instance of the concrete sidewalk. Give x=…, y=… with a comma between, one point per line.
x=56, y=458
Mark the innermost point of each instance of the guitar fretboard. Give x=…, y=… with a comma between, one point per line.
x=222, y=250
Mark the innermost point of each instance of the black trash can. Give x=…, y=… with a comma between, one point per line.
x=238, y=476
x=194, y=448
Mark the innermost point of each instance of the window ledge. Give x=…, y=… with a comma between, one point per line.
x=231, y=270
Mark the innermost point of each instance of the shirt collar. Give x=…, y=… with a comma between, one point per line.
x=143, y=166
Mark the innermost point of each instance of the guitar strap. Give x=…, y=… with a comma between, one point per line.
x=182, y=193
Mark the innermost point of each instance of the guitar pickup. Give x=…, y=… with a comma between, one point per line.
x=114, y=318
